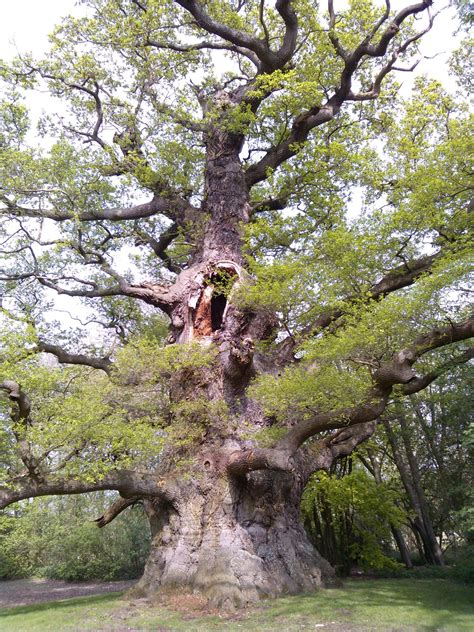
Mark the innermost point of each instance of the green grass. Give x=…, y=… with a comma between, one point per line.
x=55, y=616
x=381, y=604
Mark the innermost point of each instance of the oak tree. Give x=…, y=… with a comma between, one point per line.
x=268, y=245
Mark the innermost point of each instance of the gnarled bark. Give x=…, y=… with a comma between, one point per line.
x=235, y=540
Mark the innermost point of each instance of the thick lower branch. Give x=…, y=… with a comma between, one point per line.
x=398, y=371
x=128, y=483
x=114, y=510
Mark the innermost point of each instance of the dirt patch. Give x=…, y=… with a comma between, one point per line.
x=191, y=606
x=23, y=592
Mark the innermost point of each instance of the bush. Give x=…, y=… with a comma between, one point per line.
x=55, y=538
x=417, y=572
x=463, y=569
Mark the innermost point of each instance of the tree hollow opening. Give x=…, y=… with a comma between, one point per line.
x=211, y=309
x=218, y=305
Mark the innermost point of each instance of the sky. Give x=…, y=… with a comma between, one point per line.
x=25, y=24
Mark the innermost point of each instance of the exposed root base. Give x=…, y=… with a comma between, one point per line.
x=182, y=599
x=236, y=544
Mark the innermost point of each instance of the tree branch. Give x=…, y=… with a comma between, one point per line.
x=161, y=296
x=320, y=114
x=114, y=510
x=183, y=48
x=243, y=461
x=397, y=371
x=129, y=484
x=65, y=357
x=375, y=88
x=170, y=207
x=227, y=33
x=20, y=415
x=289, y=17
x=339, y=444
x=265, y=59
x=160, y=245
x=419, y=383
x=400, y=277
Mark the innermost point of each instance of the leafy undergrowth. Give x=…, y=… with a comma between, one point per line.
x=389, y=604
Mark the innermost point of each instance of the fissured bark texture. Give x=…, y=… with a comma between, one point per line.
x=235, y=541
x=231, y=538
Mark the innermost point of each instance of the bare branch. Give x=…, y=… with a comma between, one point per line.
x=160, y=245
x=227, y=33
x=22, y=406
x=94, y=93
x=339, y=444
x=419, y=383
x=20, y=415
x=161, y=296
x=288, y=14
x=374, y=90
x=261, y=17
x=204, y=45
x=270, y=204
x=399, y=370
x=114, y=510
x=340, y=50
x=265, y=59
x=65, y=357
x=168, y=206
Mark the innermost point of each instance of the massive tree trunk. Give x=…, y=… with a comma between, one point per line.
x=232, y=537
x=235, y=540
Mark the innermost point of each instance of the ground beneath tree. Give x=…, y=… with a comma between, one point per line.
x=378, y=605
x=23, y=592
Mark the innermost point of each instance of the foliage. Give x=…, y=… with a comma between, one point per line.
x=464, y=564
x=132, y=98
x=273, y=137
x=359, y=513
x=56, y=538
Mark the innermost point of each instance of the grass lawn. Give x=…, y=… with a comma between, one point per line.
x=379, y=604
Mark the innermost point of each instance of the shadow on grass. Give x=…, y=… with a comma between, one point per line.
x=394, y=604
x=424, y=605
x=58, y=604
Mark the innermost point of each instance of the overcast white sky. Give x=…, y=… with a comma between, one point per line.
x=26, y=24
